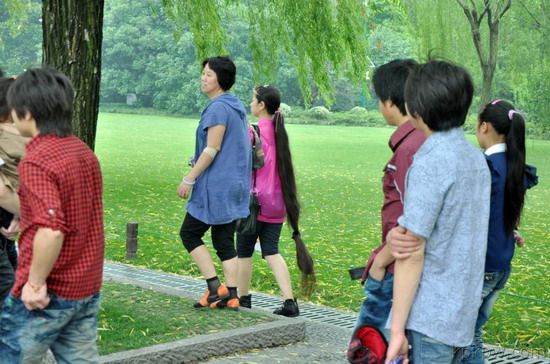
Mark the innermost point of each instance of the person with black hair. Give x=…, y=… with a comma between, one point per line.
x=389, y=85
x=220, y=183
x=446, y=210
x=275, y=187
x=54, y=302
x=501, y=134
x=12, y=147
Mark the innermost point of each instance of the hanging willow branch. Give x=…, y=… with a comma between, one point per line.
x=320, y=37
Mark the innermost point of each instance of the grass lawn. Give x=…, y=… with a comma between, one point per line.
x=132, y=317
x=339, y=172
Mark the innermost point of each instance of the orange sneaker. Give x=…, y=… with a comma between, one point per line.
x=207, y=298
x=229, y=303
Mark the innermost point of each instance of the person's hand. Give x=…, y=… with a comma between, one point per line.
x=185, y=188
x=520, y=241
x=402, y=243
x=12, y=231
x=399, y=345
x=35, y=297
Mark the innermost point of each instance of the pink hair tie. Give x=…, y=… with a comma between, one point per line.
x=495, y=101
x=511, y=114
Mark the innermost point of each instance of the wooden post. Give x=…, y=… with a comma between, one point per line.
x=131, y=240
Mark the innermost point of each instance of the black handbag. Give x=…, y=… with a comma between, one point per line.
x=247, y=226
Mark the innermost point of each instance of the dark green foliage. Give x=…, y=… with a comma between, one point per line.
x=20, y=46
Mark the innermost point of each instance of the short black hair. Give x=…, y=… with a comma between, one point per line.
x=5, y=110
x=48, y=95
x=389, y=81
x=440, y=92
x=225, y=70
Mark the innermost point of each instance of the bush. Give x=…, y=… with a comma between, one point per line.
x=286, y=110
x=358, y=110
x=319, y=112
x=359, y=118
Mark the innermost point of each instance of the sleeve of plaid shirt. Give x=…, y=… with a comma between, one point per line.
x=43, y=197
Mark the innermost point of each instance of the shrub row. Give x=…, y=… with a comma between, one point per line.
x=319, y=115
x=357, y=116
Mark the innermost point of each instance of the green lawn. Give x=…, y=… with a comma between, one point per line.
x=132, y=317
x=339, y=173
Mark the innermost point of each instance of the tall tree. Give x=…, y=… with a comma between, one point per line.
x=492, y=11
x=72, y=34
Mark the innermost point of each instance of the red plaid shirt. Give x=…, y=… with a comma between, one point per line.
x=61, y=189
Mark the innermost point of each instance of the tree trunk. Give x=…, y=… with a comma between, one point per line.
x=72, y=35
x=486, y=88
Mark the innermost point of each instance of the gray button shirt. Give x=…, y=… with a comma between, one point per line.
x=447, y=202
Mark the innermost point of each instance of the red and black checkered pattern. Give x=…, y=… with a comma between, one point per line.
x=61, y=189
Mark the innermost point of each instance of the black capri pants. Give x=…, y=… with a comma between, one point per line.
x=269, y=234
x=223, y=236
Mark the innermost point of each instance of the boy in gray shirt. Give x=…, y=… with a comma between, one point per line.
x=437, y=284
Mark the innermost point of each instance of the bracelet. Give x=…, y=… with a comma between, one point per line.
x=188, y=183
x=35, y=288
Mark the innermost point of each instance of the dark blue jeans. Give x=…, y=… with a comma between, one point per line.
x=67, y=327
x=493, y=283
x=376, y=307
x=7, y=269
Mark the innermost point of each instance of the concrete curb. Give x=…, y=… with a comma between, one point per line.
x=281, y=332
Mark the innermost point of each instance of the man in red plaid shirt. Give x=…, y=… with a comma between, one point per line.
x=55, y=299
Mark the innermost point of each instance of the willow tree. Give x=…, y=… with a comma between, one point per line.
x=441, y=28
x=492, y=12
x=320, y=37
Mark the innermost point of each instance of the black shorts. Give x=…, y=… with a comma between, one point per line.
x=223, y=236
x=269, y=235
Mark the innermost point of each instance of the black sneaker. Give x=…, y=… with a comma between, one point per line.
x=246, y=301
x=289, y=309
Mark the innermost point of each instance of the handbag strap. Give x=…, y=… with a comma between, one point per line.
x=254, y=183
x=256, y=132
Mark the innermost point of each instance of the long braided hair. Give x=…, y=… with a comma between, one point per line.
x=272, y=99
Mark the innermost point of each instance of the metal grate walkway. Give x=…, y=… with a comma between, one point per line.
x=193, y=288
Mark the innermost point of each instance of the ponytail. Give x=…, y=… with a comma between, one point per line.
x=514, y=189
x=288, y=186
x=510, y=123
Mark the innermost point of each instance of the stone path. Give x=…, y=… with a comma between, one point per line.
x=324, y=344
x=327, y=330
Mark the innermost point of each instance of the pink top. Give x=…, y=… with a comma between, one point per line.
x=268, y=184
